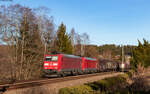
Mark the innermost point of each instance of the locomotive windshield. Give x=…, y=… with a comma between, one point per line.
x=51, y=58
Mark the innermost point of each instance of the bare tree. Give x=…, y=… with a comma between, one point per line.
x=77, y=44
x=85, y=42
x=72, y=37
x=107, y=54
x=46, y=27
x=24, y=39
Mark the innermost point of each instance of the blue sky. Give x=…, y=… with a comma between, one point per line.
x=105, y=21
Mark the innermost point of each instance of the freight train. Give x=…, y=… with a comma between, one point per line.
x=63, y=64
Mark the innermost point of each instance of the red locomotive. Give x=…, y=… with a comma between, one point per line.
x=89, y=65
x=62, y=64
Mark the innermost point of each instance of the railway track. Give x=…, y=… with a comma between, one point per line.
x=34, y=83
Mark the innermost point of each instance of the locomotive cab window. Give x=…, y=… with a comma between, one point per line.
x=54, y=58
x=48, y=58
x=51, y=58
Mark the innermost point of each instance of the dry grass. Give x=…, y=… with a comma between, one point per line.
x=140, y=84
x=140, y=69
x=4, y=65
x=140, y=80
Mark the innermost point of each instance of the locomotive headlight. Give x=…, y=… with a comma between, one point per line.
x=55, y=64
x=122, y=65
x=46, y=64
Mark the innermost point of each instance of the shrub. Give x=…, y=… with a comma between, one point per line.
x=107, y=85
x=130, y=73
x=82, y=89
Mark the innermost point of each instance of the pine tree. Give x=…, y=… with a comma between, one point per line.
x=63, y=41
x=141, y=55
